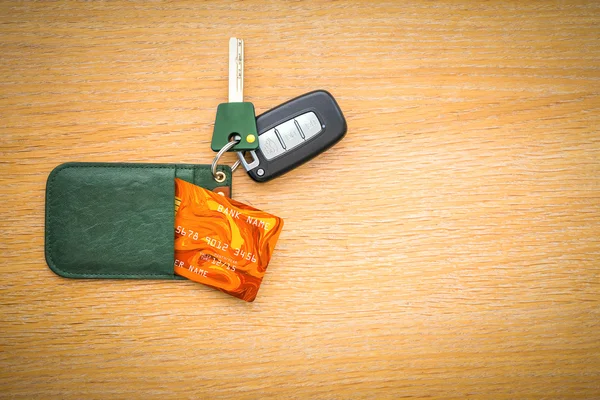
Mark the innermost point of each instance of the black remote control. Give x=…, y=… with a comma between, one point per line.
x=293, y=133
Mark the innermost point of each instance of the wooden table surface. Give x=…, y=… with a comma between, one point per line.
x=448, y=247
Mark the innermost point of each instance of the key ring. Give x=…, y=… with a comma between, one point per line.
x=220, y=175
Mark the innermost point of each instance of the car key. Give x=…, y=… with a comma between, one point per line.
x=293, y=133
x=235, y=118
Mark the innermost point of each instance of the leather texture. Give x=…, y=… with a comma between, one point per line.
x=115, y=220
x=235, y=118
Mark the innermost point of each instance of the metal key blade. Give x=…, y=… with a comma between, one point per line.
x=235, y=120
x=236, y=70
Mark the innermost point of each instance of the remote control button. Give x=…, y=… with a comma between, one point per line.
x=310, y=124
x=289, y=134
x=270, y=145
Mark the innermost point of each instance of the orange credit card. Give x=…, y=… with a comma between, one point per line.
x=221, y=242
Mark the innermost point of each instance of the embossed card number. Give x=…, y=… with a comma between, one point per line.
x=221, y=242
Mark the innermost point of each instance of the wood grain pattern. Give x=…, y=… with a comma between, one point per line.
x=448, y=247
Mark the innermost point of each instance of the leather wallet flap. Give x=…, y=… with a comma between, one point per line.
x=115, y=220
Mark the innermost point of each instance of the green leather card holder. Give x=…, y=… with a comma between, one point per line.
x=115, y=220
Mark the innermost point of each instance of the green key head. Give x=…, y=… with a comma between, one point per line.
x=235, y=119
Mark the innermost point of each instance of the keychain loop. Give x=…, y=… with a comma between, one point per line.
x=220, y=175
